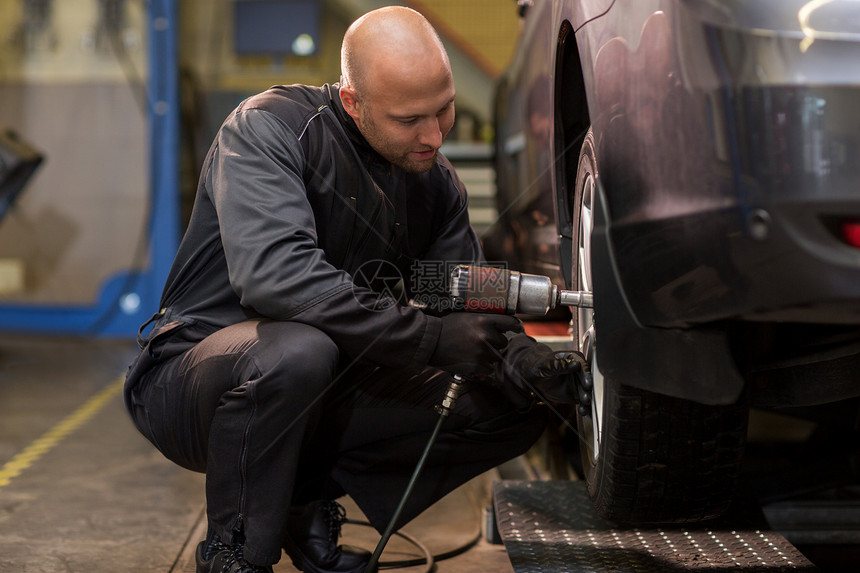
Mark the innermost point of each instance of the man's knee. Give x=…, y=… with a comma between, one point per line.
x=495, y=420
x=295, y=350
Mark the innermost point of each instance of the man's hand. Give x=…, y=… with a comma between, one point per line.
x=470, y=343
x=556, y=377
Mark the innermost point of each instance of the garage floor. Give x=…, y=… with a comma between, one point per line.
x=82, y=491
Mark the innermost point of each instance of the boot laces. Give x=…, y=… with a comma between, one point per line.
x=335, y=516
x=234, y=561
x=215, y=545
x=231, y=560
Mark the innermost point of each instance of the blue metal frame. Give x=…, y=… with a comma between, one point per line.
x=129, y=298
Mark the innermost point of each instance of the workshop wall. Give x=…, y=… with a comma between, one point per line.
x=71, y=86
x=485, y=29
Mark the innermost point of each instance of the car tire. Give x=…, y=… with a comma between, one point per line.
x=646, y=457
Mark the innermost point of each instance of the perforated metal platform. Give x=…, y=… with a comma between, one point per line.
x=550, y=527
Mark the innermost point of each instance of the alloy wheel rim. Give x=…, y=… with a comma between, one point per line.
x=585, y=319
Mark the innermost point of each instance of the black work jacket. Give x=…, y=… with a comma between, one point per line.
x=292, y=202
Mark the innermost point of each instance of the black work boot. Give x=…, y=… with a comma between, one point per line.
x=215, y=556
x=313, y=532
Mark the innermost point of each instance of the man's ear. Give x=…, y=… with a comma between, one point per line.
x=349, y=101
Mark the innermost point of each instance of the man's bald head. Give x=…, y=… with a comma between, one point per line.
x=391, y=43
x=397, y=86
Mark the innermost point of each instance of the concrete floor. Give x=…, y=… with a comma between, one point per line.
x=82, y=491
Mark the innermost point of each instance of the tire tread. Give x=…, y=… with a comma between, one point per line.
x=667, y=460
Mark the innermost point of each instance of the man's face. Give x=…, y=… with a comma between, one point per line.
x=406, y=126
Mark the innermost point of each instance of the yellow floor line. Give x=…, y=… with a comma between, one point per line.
x=26, y=457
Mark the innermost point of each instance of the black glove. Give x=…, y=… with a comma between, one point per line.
x=470, y=343
x=557, y=377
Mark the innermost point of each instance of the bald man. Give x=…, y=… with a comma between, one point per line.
x=305, y=334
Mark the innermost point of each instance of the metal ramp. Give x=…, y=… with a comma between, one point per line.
x=550, y=527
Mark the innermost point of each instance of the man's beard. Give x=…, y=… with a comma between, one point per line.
x=403, y=160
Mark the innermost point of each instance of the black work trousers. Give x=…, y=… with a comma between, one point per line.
x=276, y=417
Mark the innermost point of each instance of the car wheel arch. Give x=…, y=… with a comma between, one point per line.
x=571, y=121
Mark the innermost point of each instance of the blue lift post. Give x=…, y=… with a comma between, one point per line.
x=129, y=298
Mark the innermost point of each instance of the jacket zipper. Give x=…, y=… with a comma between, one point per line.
x=352, y=203
x=377, y=210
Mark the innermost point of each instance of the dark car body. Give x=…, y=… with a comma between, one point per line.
x=728, y=145
x=717, y=219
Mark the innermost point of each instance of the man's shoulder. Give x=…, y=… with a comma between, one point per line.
x=292, y=104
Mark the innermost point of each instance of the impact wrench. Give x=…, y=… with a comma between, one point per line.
x=489, y=289
x=484, y=289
